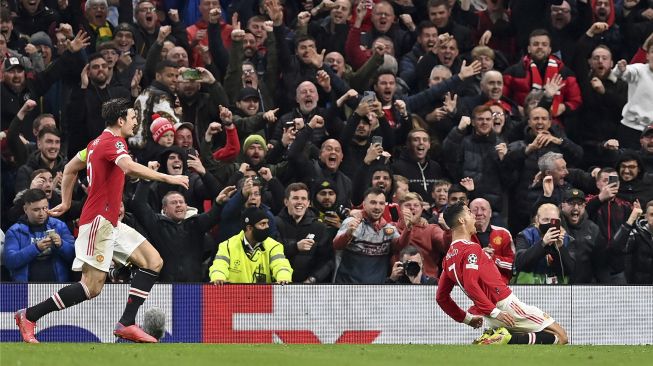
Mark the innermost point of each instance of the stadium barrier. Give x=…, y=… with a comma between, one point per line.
x=328, y=313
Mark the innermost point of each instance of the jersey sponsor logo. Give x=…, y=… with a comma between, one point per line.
x=497, y=241
x=120, y=147
x=452, y=253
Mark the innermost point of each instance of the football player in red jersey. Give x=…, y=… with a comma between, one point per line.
x=466, y=265
x=101, y=237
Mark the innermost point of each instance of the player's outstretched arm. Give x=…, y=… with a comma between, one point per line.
x=132, y=168
x=67, y=183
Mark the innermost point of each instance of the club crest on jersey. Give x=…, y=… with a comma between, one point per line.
x=100, y=258
x=497, y=241
x=388, y=231
x=120, y=147
x=472, y=260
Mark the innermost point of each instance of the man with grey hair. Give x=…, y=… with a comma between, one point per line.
x=97, y=26
x=523, y=156
x=491, y=93
x=554, y=179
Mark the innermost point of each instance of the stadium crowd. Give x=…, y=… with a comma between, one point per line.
x=323, y=139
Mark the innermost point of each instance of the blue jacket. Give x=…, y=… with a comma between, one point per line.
x=21, y=250
x=531, y=256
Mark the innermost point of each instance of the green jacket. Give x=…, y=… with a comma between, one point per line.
x=232, y=264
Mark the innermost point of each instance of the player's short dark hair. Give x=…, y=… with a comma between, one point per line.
x=48, y=130
x=374, y=191
x=294, y=187
x=539, y=32
x=163, y=64
x=37, y=121
x=115, y=108
x=452, y=213
x=33, y=195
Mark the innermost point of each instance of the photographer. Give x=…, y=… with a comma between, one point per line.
x=543, y=250
x=409, y=269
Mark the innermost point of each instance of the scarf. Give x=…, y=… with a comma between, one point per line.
x=537, y=82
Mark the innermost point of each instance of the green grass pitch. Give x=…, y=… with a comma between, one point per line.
x=94, y=354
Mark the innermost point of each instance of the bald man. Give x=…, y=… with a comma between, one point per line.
x=496, y=241
x=542, y=250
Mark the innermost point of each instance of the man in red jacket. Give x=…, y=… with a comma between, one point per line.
x=536, y=70
x=467, y=266
x=197, y=33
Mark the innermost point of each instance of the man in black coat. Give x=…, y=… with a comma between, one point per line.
x=479, y=156
x=178, y=233
x=304, y=238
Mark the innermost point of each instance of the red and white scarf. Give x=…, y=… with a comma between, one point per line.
x=537, y=83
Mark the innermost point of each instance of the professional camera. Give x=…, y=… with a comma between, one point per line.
x=339, y=210
x=411, y=268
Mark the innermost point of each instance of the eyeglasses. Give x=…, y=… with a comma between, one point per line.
x=380, y=15
x=629, y=167
x=147, y=10
x=498, y=114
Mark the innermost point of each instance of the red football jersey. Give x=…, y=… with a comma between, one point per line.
x=467, y=266
x=105, y=178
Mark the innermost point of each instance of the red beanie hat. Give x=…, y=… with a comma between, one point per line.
x=160, y=126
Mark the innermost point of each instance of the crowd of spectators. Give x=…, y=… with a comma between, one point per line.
x=323, y=139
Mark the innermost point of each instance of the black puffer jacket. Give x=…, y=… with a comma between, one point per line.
x=639, y=249
x=475, y=156
x=317, y=262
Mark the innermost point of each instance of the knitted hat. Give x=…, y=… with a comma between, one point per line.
x=160, y=126
x=252, y=215
x=40, y=39
x=255, y=139
x=322, y=184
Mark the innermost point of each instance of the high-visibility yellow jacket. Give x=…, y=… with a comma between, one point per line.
x=266, y=264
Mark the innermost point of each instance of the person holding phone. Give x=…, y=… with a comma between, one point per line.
x=38, y=248
x=610, y=212
x=543, y=255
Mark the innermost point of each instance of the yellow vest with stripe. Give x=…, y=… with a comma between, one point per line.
x=267, y=262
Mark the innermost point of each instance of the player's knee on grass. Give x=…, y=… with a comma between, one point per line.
x=560, y=332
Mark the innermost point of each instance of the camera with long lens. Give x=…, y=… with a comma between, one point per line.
x=411, y=268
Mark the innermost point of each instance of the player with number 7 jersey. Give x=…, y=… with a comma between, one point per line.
x=102, y=238
x=466, y=265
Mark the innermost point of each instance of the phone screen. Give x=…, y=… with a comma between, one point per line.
x=613, y=179
x=555, y=223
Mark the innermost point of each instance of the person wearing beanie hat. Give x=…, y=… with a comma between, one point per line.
x=163, y=131
x=251, y=256
x=41, y=53
x=255, y=139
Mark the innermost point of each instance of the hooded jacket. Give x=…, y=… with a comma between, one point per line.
x=200, y=187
